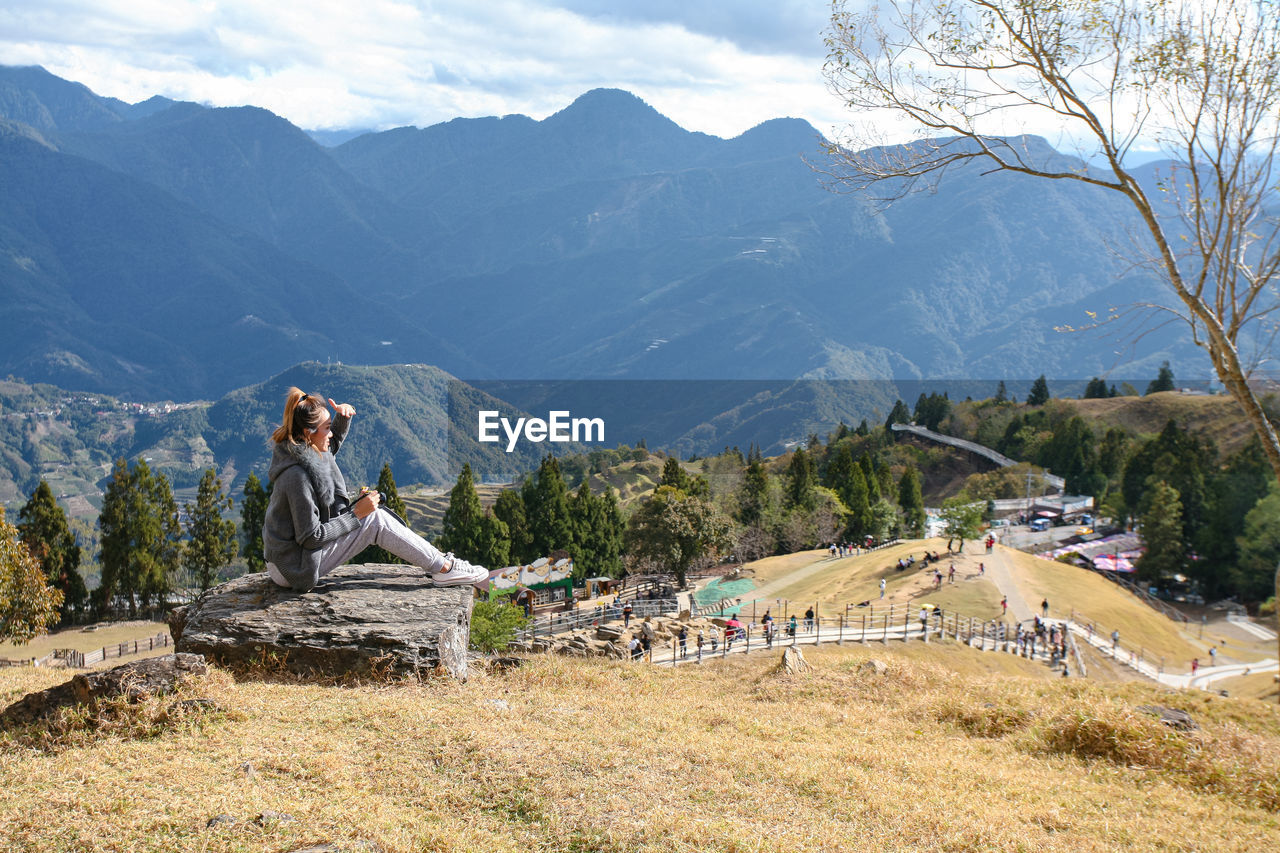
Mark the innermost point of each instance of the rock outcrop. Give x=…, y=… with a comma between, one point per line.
x=358, y=620
x=135, y=680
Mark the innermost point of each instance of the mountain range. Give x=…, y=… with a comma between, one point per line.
x=172, y=250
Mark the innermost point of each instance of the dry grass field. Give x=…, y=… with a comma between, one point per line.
x=1095, y=599
x=576, y=755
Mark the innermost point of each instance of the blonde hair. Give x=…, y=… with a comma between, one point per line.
x=302, y=411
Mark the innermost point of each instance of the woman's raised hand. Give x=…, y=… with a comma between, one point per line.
x=344, y=409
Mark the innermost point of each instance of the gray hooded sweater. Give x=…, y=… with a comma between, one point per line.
x=309, y=507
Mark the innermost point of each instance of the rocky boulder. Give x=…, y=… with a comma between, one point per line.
x=358, y=620
x=135, y=681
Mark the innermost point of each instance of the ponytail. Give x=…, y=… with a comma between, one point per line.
x=301, y=412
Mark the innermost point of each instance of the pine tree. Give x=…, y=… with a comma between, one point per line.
x=509, y=509
x=869, y=475
x=387, y=485
x=462, y=519
x=1167, y=550
x=1002, y=394
x=1163, y=380
x=1096, y=389
x=213, y=539
x=899, y=414
x=547, y=509
x=28, y=603
x=597, y=524
x=44, y=529
x=393, y=502
x=753, y=494
x=800, y=480
x=141, y=538
x=493, y=542
x=912, y=502
x=1039, y=392
x=253, y=514
x=856, y=497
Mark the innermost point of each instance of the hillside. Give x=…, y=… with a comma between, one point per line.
x=563, y=754
x=417, y=417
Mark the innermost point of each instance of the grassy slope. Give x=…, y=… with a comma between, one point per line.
x=589, y=755
x=1095, y=599
x=1217, y=416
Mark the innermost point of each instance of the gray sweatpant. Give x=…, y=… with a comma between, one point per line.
x=381, y=528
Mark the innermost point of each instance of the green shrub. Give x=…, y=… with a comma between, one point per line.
x=494, y=624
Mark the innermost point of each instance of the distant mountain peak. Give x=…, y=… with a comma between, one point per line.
x=612, y=105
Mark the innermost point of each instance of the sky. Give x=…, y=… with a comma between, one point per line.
x=714, y=66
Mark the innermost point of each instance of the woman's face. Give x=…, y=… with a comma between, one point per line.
x=319, y=437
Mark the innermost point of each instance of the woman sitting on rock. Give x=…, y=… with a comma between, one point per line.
x=312, y=526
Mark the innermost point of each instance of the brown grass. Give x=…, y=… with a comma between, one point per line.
x=1095, y=599
x=571, y=755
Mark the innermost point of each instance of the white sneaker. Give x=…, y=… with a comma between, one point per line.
x=458, y=572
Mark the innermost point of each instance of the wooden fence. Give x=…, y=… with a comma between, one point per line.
x=75, y=659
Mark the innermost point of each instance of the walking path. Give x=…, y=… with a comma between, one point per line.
x=997, y=571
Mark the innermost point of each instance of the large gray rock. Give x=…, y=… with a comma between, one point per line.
x=359, y=619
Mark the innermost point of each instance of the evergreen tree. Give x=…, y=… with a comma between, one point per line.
x=856, y=499
x=393, y=502
x=598, y=530
x=509, y=509
x=1163, y=380
x=753, y=495
x=547, y=509
x=1039, y=392
x=673, y=475
x=387, y=485
x=253, y=514
x=28, y=603
x=493, y=542
x=899, y=414
x=870, y=477
x=1002, y=393
x=1252, y=577
x=1179, y=458
x=1096, y=389
x=864, y=429
x=43, y=527
x=462, y=519
x=1166, y=553
x=800, y=480
x=912, y=502
x=141, y=538
x=1232, y=492
x=840, y=468
x=213, y=539
x=842, y=431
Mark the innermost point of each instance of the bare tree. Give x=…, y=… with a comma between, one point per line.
x=1199, y=77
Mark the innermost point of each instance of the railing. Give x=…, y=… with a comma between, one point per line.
x=898, y=623
x=549, y=624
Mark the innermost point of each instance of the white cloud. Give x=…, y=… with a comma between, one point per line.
x=329, y=63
